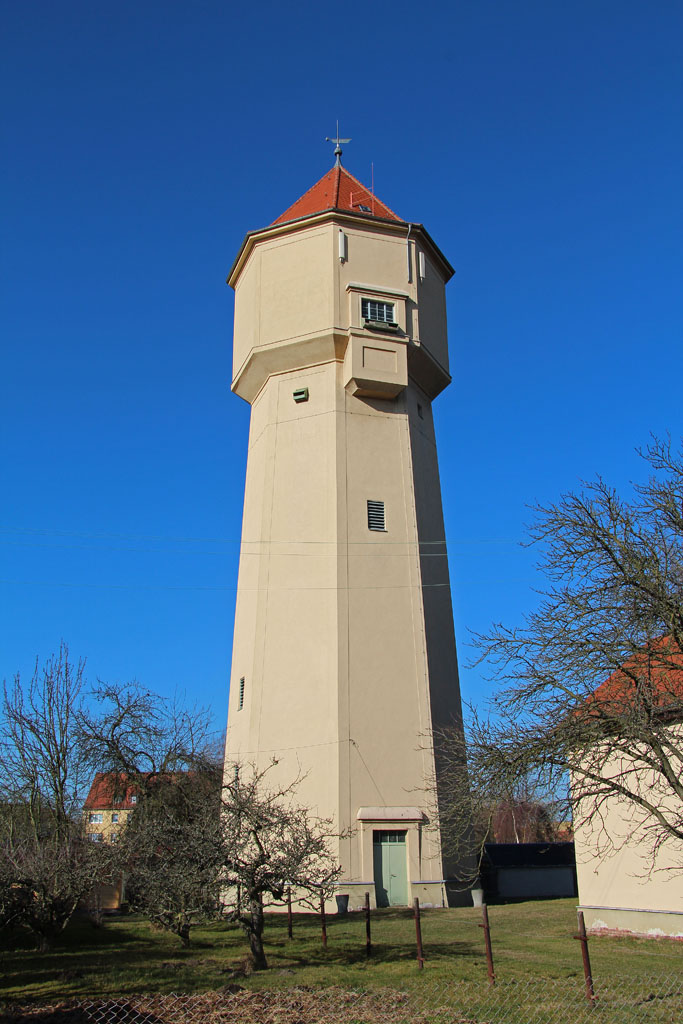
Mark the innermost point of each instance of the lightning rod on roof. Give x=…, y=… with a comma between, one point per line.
x=337, y=148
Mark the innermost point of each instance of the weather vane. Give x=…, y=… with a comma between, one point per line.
x=337, y=148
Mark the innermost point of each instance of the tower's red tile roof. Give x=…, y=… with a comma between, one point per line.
x=337, y=190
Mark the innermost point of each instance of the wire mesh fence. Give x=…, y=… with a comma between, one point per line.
x=654, y=1000
x=339, y=976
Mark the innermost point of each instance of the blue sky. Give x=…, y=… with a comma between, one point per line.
x=540, y=143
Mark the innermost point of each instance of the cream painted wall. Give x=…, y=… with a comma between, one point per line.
x=284, y=292
x=431, y=300
x=622, y=874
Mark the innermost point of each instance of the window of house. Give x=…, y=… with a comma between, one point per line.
x=114, y=837
x=376, y=517
x=240, y=700
x=388, y=837
x=115, y=818
x=377, y=312
x=95, y=818
x=134, y=799
x=95, y=837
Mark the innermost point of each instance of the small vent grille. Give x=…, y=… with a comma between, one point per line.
x=240, y=703
x=376, y=518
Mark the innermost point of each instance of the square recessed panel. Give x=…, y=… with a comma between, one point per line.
x=383, y=359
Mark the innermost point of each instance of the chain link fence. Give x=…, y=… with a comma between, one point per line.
x=445, y=982
x=655, y=1000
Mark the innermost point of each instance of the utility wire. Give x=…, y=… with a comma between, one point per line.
x=47, y=532
x=250, y=590
x=224, y=554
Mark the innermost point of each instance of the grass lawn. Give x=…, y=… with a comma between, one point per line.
x=531, y=941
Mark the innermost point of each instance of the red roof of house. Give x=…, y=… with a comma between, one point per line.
x=656, y=672
x=337, y=190
x=110, y=791
x=114, y=791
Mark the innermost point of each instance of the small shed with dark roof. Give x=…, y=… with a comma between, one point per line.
x=529, y=871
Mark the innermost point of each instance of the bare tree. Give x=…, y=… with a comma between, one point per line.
x=12, y=896
x=51, y=873
x=525, y=821
x=43, y=766
x=592, y=682
x=196, y=843
x=269, y=844
x=167, y=754
x=46, y=863
x=478, y=791
x=138, y=734
x=172, y=847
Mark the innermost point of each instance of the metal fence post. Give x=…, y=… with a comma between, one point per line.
x=583, y=939
x=289, y=912
x=418, y=933
x=323, y=921
x=487, y=943
x=368, y=936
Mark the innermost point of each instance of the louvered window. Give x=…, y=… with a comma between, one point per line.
x=377, y=312
x=376, y=517
x=240, y=702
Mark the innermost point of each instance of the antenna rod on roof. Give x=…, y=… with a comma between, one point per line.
x=337, y=148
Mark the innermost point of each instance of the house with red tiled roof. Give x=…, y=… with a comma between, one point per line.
x=107, y=806
x=628, y=827
x=111, y=800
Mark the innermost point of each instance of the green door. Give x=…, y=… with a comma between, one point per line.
x=390, y=864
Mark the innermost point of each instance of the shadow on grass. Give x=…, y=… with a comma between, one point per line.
x=382, y=953
x=346, y=940
x=87, y=960
x=128, y=955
